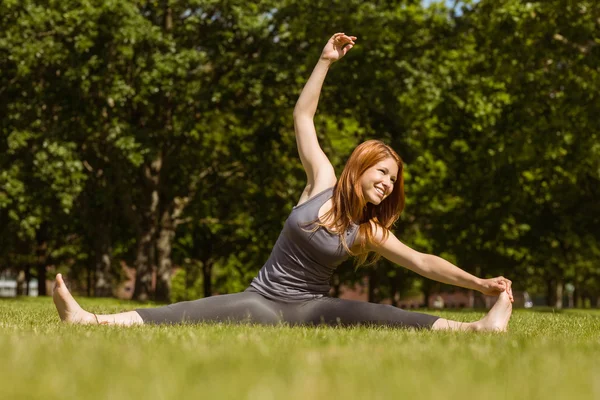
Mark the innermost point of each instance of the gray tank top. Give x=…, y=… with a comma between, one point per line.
x=302, y=262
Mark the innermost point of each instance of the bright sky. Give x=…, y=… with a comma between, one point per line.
x=428, y=2
x=449, y=3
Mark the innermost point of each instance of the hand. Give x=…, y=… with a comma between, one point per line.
x=337, y=47
x=495, y=286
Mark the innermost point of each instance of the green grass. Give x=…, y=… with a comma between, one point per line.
x=544, y=356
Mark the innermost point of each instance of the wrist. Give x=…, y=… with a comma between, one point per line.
x=478, y=285
x=325, y=61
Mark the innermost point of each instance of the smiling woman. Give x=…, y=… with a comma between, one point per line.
x=332, y=221
x=371, y=187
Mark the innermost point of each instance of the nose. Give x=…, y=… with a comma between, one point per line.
x=386, y=185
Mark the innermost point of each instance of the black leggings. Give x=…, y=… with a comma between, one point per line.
x=252, y=307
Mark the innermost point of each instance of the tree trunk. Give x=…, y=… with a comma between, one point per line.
x=559, y=295
x=168, y=22
x=144, y=266
x=573, y=298
x=167, y=227
x=550, y=299
x=20, y=289
x=145, y=258
x=103, y=263
x=27, y=280
x=89, y=281
x=104, y=279
x=41, y=273
x=42, y=257
x=163, y=251
x=207, y=278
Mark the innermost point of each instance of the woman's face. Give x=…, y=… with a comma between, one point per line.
x=378, y=181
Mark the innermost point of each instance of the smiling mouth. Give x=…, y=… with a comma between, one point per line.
x=381, y=192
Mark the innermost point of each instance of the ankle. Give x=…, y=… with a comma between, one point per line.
x=98, y=322
x=476, y=326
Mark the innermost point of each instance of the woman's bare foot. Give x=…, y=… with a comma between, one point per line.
x=497, y=319
x=68, y=309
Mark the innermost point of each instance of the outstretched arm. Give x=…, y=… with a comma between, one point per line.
x=436, y=268
x=319, y=171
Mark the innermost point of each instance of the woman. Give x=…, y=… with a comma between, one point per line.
x=332, y=220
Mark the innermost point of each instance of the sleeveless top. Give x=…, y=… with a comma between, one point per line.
x=302, y=261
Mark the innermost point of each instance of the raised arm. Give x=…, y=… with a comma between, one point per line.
x=436, y=268
x=319, y=171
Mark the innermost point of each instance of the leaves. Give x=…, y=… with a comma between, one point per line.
x=132, y=122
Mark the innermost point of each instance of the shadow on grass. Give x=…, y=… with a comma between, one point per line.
x=542, y=310
x=82, y=299
x=550, y=310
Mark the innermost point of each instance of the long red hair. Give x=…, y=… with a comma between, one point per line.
x=349, y=204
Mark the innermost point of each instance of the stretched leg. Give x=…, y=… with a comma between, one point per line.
x=71, y=312
x=247, y=306
x=332, y=311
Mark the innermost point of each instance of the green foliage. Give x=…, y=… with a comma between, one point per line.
x=160, y=133
x=184, y=288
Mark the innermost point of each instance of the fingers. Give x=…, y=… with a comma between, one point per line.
x=337, y=37
x=338, y=45
x=342, y=39
x=506, y=285
x=500, y=284
x=509, y=290
x=347, y=44
x=339, y=34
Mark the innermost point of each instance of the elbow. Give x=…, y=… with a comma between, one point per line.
x=423, y=263
x=297, y=109
x=299, y=113
x=302, y=110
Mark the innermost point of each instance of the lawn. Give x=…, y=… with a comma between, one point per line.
x=545, y=355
